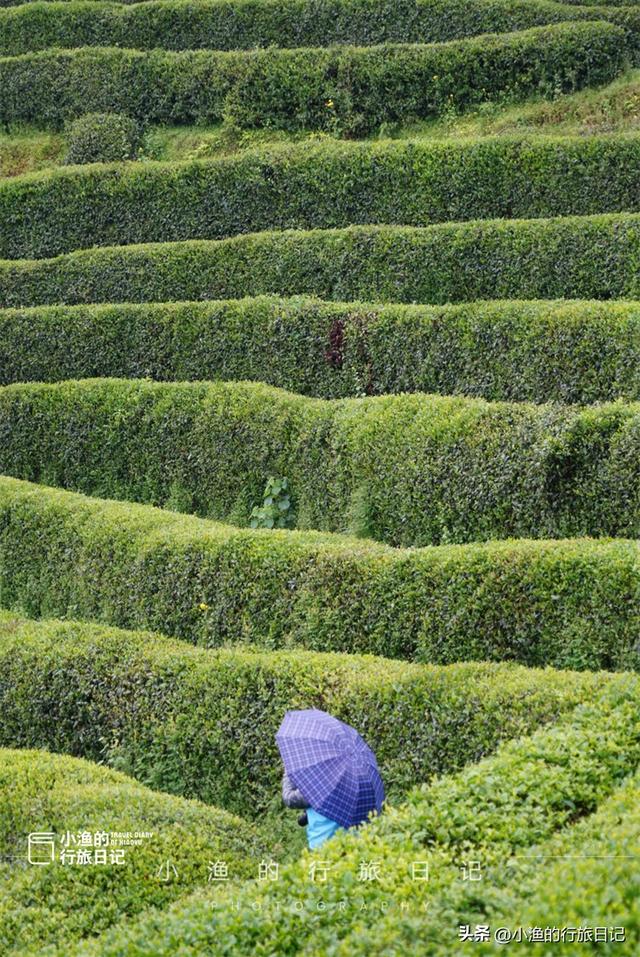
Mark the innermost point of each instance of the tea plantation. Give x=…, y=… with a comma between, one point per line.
x=319, y=388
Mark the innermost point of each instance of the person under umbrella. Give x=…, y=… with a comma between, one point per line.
x=329, y=771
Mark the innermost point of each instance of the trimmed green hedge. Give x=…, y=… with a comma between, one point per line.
x=212, y=24
x=503, y=814
x=584, y=876
x=589, y=257
x=630, y=4
x=63, y=902
x=505, y=805
x=523, y=351
x=324, y=185
x=570, y=604
x=588, y=879
x=102, y=138
x=409, y=470
x=202, y=724
x=352, y=90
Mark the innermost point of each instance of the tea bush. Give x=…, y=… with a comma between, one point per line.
x=102, y=138
x=325, y=185
x=513, y=802
x=65, y=901
x=570, y=604
x=444, y=263
x=578, y=352
x=202, y=724
x=172, y=25
x=347, y=89
x=409, y=470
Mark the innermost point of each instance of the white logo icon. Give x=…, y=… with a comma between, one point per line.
x=41, y=848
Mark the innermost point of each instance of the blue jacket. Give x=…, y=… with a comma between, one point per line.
x=320, y=828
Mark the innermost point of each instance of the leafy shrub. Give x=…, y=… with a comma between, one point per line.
x=102, y=138
x=324, y=185
x=172, y=25
x=274, y=512
x=62, y=902
x=203, y=724
x=589, y=868
x=568, y=604
x=449, y=262
x=522, y=801
x=578, y=352
x=581, y=883
x=407, y=469
x=291, y=89
x=511, y=803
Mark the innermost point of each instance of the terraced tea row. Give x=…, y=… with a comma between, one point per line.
x=570, y=880
x=348, y=89
x=202, y=723
x=590, y=257
x=607, y=3
x=575, y=879
x=441, y=266
x=586, y=113
x=513, y=803
x=66, y=900
x=317, y=186
x=563, y=603
x=214, y=24
x=409, y=470
x=456, y=6
x=530, y=351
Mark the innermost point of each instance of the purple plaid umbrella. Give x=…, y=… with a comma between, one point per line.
x=330, y=764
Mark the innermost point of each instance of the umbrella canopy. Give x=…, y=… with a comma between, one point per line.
x=331, y=765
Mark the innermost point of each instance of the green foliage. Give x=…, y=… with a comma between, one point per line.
x=202, y=723
x=514, y=802
x=281, y=619
x=523, y=801
x=409, y=470
x=569, y=604
x=102, y=138
x=243, y=24
x=274, y=512
x=292, y=88
x=583, y=876
x=591, y=874
x=448, y=262
x=12, y=3
x=317, y=185
x=576, y=352
x=64, y=902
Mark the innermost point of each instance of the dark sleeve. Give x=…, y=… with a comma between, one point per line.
x=290, y=795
